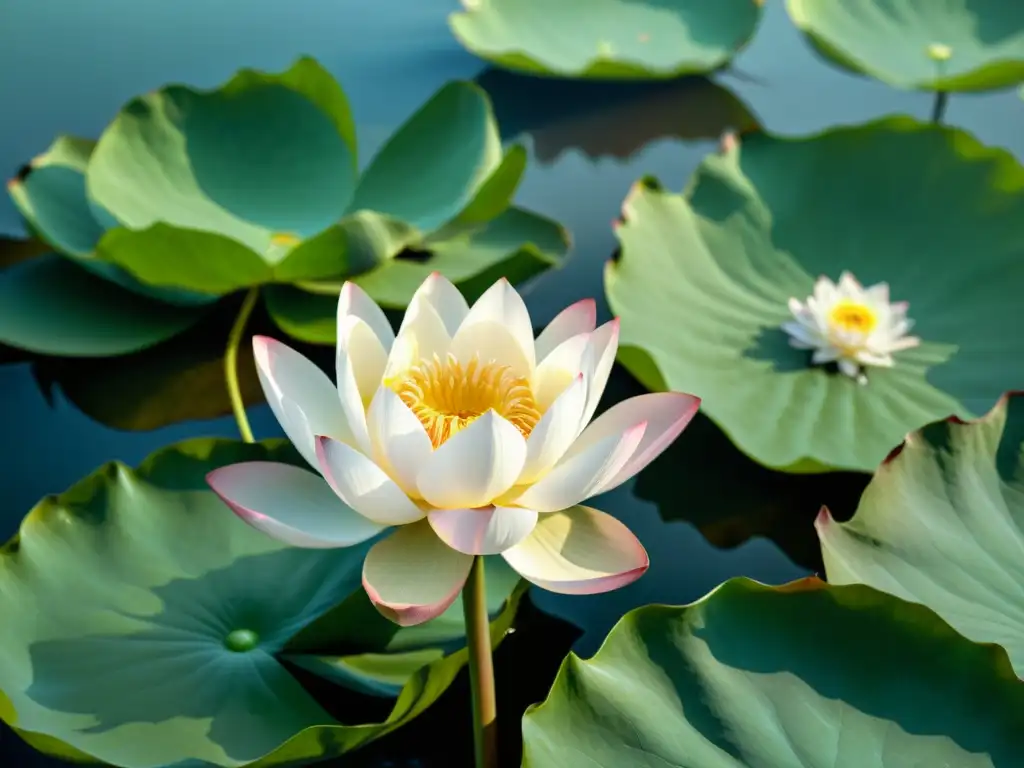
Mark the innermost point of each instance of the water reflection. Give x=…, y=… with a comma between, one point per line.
x=613, y=119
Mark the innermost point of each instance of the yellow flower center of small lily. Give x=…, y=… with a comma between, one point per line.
x=447, y=396
x=852, y=316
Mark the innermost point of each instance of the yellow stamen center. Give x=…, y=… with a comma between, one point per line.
x=447, y=396
x=851, y=316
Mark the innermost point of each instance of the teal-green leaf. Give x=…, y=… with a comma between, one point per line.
x=942, y=523
x=51, y=197
x=493, y=197
x=801, y=675
x=704, y=278
x=50, y=305
x=358, y=243
x=167, y=653
x=121, y=601
x=261, y=155
x=432, y=166
x=517, y=245
x=402, y=651
x=975, y=45
x=636, y=39
x=201, y=261
x=373, y=674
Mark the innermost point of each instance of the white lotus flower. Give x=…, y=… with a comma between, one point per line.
x=854, y=327
x=467, y=436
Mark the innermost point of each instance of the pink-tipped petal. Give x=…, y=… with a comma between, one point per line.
x=355, y=302
x=484, y=531
x=412, y=576
x=560, y=368
x=500, y=307
x=474, y=466
x=446, y=300
x=555, y=432
x=605, y=345
x=580, y=474
x=363, y=485
x=575, y=319
x=400, y=443
x=579, y=551
x=290, y=505
x=666, y=415
x=301, y=396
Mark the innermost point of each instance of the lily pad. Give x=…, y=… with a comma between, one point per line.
x=518, y=245
x=975, y=45
x=281, y=202
x=50, y=305
x=942, y=524
x=168, y=652
x=743, y=678
x=397, y=652
x=703, y=281
x=611, y=39
x=50, y=195
x=433, y=165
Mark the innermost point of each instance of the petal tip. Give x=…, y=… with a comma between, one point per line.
x=404, y=614
x=824, y=518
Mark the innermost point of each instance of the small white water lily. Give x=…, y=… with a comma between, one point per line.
x=854, y=327
x=466, y=435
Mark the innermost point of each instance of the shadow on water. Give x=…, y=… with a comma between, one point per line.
x=610, y=119
x=704, y=511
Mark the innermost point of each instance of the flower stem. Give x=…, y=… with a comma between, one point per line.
x=481, y=667
x=231, y=364
x=939, y=106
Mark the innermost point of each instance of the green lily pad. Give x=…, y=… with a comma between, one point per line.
x=50, y=195
x=975, y=45
x=704, y=278
x=433, y=165
x=167, y=652
x=280, y=203
x=50, y=305
x=517, y=244
x=399, y=652
x=635, y=39
x=261, y=155
x=744, y=678
x=941, y=524
x=374, y=674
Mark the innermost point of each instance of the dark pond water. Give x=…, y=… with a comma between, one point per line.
x=703, y=513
